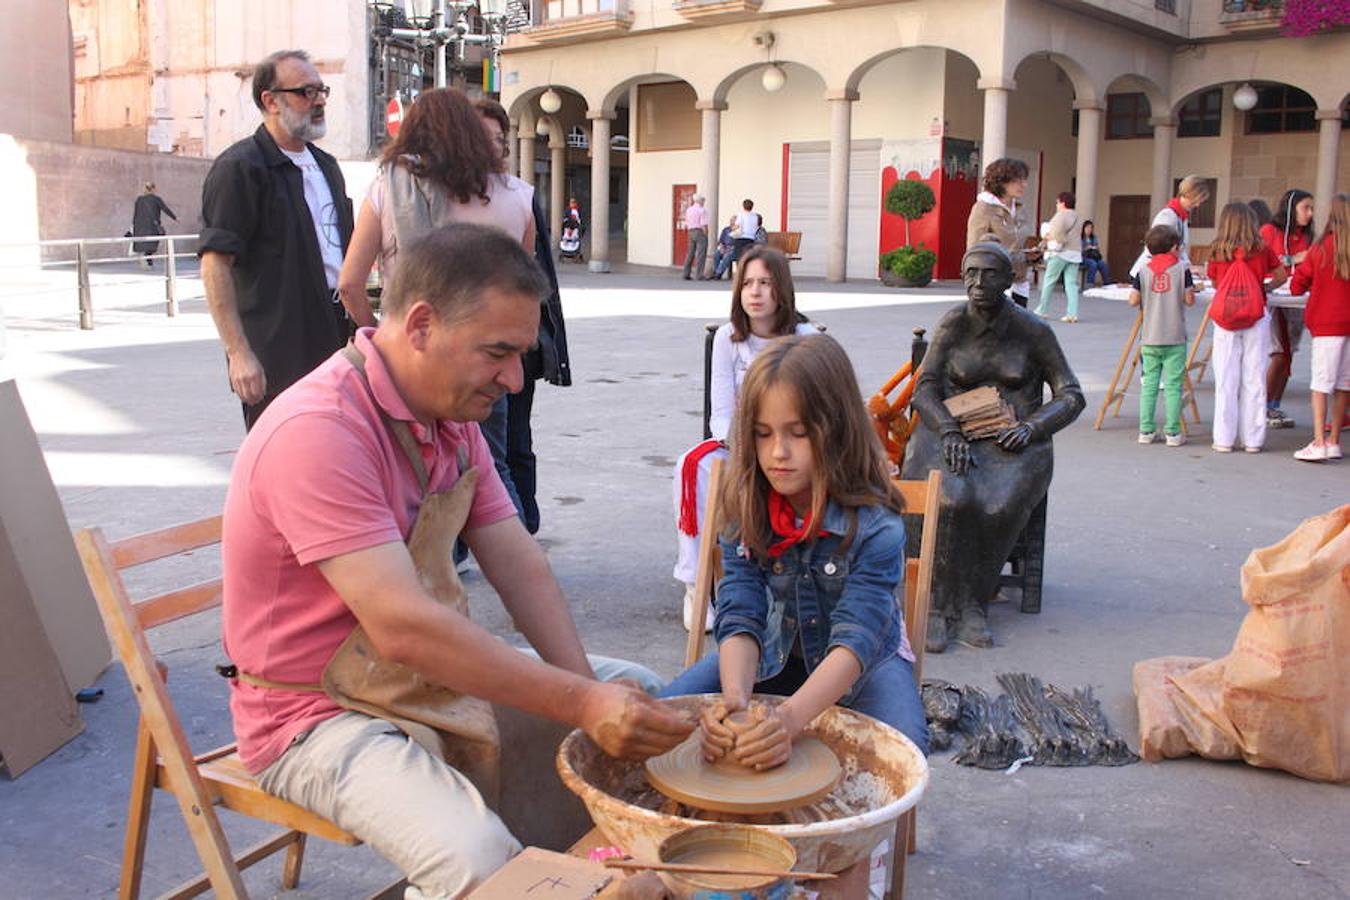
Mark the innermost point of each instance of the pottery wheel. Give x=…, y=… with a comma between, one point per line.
x=810, y=773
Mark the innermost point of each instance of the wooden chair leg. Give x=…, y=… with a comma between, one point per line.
x=913, y=831
x=295, y=858
x=899, y=851
x=138, y=814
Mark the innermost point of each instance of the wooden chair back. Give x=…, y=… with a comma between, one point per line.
x=163, y=756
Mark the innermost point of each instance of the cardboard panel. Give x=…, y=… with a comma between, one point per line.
x=45, y=565
x=37, y=711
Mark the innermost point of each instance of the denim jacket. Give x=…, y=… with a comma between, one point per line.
x=818, y=595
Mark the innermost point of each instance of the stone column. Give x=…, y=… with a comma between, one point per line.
x=841, y=144
x=526, y=160
x=557, y=178
x=1328, y=147
x=712, y=164
x=513, y=148
x=1164, y=130
x=599, y=227
x=995, y=143
x=1089, y=143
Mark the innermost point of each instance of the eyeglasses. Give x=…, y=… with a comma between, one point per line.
x=310, y=92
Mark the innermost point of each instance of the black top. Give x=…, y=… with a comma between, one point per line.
x=549, y=360
x=253, y=208
x=145, y=217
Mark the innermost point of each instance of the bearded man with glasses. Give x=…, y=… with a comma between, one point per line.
x=276, y=222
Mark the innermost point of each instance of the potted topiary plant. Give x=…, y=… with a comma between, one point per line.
x=909, y=266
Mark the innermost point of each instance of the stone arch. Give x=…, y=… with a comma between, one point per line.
x=1084, y=88
x=855, y=77
x=724, y=87
x=612, y=98
x=527, y=106
x=1157, y=97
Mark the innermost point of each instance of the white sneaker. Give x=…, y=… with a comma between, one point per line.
x=1147, y=437
x=689, y=611
x=1314, y=452
x=1220, y=448
x=1251, y=449
x=1334, y=451
x=1176, y=440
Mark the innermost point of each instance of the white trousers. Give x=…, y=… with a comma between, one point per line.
x=686, y=557
x=1240, y=359
x=425, y=817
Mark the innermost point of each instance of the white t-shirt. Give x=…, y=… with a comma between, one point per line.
x=322, y=210
x=750, y=221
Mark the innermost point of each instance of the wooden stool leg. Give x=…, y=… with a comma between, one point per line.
x=913, y=832
x=1125, y=354
x=295, y=858
x=138, y=814
x=904, y=833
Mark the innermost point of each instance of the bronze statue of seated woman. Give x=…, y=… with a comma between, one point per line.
x=995, y=475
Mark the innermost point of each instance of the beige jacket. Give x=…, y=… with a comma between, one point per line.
x=1064, y=237
x=990, y=216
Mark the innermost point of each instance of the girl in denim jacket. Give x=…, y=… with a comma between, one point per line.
x=806, y=611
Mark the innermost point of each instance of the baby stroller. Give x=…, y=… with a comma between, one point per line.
x=569, y=242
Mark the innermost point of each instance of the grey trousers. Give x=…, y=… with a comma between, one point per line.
x=697, y=255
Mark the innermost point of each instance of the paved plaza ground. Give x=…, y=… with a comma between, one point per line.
x=1143, y=550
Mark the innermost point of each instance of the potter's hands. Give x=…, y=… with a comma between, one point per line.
x=717, y=737
x=247, y=379
x=768, y=742
x=628, y=724
x=956, y=452
x=1015, y=438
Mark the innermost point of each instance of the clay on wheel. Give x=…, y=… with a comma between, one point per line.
x=682, y=774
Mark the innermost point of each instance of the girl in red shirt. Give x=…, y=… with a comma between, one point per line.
x=1325, y=274
x=1240, y=357
x=1290, y=235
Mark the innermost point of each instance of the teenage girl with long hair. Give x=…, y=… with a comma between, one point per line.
x=1240, y=355
x=813, y=557
x=1290, y=234
x=763, y=308
x=1325, y=275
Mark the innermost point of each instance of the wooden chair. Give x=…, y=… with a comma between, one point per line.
x=921, y=500
x=163, y=758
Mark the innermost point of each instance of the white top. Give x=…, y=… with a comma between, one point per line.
x=511, y=208
x=749, y=223
x=322, y=210
x=730, y=360
x=1167, y=216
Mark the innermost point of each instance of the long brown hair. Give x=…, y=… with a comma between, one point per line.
x=1238, y=229
x=442, y=140
x=849, y=465
x=785, y=318
x=1338, y=229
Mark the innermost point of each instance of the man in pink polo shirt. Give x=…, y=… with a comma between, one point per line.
x=321, y=501
x=696, y=223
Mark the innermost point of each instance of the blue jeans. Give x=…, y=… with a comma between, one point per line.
x=889, y=693
x=1090, y=269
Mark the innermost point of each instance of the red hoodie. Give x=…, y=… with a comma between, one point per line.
x=1328, y=311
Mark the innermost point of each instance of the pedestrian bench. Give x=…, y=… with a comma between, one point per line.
x=789, y=242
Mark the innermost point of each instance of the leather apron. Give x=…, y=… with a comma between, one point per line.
x=460, y=729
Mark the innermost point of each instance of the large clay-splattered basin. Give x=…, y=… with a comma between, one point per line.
x=884, y=775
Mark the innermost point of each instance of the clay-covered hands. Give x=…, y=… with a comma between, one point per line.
x=1015, y=438
x=628, y=724
x=956, y=452
x=761, y=739
x=718, y=738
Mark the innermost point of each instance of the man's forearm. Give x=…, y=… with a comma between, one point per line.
x=218, y=281
x=517, y=568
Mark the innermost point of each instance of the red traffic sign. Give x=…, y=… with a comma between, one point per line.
x=393, y=116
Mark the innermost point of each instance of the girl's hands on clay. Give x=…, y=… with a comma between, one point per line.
x=768, y=742
x=717, y=737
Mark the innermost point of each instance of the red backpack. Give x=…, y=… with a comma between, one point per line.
x=1239, y=297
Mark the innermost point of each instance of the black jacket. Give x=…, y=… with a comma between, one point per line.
x=253, y=208
x=549, y=361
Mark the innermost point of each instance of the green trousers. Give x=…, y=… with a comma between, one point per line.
x=1169, y=362
x=1055, y=269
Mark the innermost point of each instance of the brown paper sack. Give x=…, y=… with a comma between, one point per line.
x=1282, y=696
x=1164, y=731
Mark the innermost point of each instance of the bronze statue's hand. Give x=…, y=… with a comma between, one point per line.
x=1016, y=437
x=956, y=452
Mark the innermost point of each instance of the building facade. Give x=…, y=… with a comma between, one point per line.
x=811, y=108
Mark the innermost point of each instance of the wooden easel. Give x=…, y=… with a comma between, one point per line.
x=1131, y=354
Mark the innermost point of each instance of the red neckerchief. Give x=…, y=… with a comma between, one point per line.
x=783, y=521
x=1162, y=262
x=1175, y=206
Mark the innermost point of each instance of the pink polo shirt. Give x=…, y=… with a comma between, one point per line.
x=321, y=475
x=696, y=216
